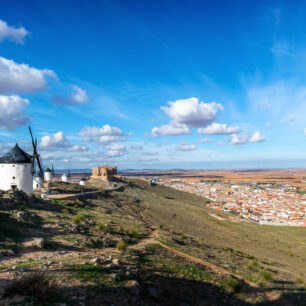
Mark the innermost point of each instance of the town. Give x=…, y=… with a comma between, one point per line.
x=262, y=203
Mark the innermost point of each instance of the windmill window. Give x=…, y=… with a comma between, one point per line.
x=13, y=165
x=13, y=177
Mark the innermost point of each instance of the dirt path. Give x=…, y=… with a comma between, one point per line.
x=269, y=296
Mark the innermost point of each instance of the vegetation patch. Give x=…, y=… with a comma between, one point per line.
x=39, y=286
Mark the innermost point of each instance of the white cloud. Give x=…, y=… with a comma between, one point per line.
x=21, y=77
x=57, y=140
x=257, y=137
x=204, y=140
x=11, y=112
x=97, y=134
x=115, y=150
x=183, y=146
x=78, y=148
x=77, y=97
x=12, y=33
x=246, y=138
x=172, y=129
x=219, y=129
x=191, y=112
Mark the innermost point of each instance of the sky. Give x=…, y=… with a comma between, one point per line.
x=155, y=84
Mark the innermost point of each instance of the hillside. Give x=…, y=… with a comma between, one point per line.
x=144, y=245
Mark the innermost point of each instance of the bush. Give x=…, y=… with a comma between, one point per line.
x=132, y=233
x=65, y=211
x=78, y=218
x=253, y=266
x=300, y=280
x=121, y=246
x=266, y=275
x=161, y=226
x=235, y=284
x=102, y=227
x=38, y=285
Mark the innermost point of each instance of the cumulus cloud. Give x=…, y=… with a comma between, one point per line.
x=77, y=97
x=57, y=140
x=77, y=148
x=186, y=114
x=172, y=129
x=204, y=140
x=115, y=150
x=16, y=77
x=183, y=146
x=219, y=129
x=191, y=112
x=12, y=33
x=246, y=138
x=105, y=134
x=12, y=115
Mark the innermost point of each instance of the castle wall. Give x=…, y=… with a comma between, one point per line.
x=19, y=175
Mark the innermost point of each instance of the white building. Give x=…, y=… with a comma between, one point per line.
x=38, y=181
x=16, y=171
x=48, y=175
x=64, y=178
x=82, y=182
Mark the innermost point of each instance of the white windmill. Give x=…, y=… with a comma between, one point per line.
x=17, y=168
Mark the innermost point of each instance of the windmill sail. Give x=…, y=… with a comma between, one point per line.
x=35, y=156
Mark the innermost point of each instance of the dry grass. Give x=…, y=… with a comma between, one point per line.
x=37, y=285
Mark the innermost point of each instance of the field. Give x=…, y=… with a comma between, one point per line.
x=151, y=245
x=294, y=177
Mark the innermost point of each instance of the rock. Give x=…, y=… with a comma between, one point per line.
x=96, y=261
x=49, y=263
x=42, y=257
x=23, y=216
x=35, y=242
x=115, y=276
x=115, y=261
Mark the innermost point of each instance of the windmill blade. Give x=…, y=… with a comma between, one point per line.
x=35, y=142
x=39, y=164
x=31, y=135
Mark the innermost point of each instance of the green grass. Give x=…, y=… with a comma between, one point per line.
x=266, y=275
x=78, y=218
x=121, y=246
x=234, y=284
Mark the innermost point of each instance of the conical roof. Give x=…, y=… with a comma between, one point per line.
x=48, y=170
x=16, y=156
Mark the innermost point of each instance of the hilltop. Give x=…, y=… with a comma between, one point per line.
x=143, y=245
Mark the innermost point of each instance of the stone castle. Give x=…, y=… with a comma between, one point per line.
x=104, y=173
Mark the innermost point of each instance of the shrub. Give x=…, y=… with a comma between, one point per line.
x=266, y=275
x=300, y=280
x=235, y=284
x=102, y=227
x=132, y=233
x=78, y=218
x=253, y=266
x=65, y=211
x=38, y=285
x=121, y=246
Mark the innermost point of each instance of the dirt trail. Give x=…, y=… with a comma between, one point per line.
x=272, y=297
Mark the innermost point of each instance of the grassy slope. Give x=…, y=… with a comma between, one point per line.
x=284, y=247
x=274, y=257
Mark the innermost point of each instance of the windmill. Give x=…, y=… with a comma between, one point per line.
x=35, y=156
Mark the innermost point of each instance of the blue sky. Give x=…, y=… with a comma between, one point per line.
x=155, y=84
